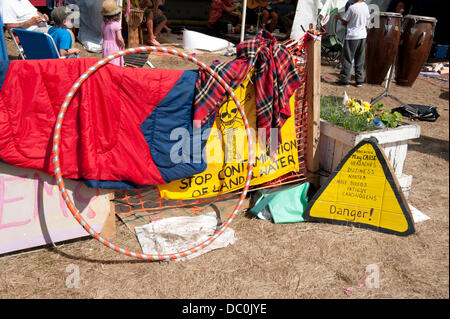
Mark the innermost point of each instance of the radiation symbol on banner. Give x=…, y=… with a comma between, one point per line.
x=363, y=191
x=231, y=124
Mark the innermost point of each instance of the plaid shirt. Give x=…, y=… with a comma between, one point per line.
x=276, y=81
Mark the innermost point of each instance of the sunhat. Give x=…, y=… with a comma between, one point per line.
x=110, y=8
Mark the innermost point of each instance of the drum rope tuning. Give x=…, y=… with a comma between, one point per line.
x=57, y=149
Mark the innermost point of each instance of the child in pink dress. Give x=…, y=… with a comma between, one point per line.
x=111, y=31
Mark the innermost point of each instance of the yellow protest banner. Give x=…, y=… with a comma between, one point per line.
x=226, y=152
x=363, y=191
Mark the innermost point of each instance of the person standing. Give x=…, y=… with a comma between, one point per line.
x=356, y=19
x=112, y=31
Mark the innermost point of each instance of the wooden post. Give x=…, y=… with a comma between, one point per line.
x=109, y=228
x=313, y=102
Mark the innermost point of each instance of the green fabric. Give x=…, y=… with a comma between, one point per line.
x=286, y=205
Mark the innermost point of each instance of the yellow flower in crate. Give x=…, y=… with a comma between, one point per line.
x=351, y=103
x=357, y=115
x=366, y=106
x=357, y=107
x=353, y=106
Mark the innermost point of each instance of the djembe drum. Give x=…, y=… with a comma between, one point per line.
x=415, y=46
x=134, y=20
x=382, y=46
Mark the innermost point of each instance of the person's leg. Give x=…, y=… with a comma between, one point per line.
x=348, y=53
x=273, y=21
x=360, y=53
x=149, y=23
x=168, y=30
x=221, y=27
x=265, y=15
x=159, y=27
x=252, y=16
x=287, y=24
x=50, y=4
x=160, y=21
x=43, y=29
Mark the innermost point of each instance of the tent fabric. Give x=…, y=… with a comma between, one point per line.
x=90, y=33
x=3, y=52
x=116, y=131
x=307, y=12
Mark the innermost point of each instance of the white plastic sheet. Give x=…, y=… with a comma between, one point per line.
x=175, y=234
x=197, y=40
x=417, y=215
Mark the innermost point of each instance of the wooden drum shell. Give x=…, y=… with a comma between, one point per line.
x=414, y=49
x=381, y=46
x=134, y=20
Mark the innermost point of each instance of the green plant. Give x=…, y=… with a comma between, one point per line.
x=389, y=119
x=356, y=115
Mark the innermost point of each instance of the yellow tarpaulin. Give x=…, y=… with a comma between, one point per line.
x=226, y=152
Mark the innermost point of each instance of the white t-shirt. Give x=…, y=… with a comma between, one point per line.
x=357, y=16
x=17, y=11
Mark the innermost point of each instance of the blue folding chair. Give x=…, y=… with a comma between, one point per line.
x=37, y=45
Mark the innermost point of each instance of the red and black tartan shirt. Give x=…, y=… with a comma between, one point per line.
x=276, y=81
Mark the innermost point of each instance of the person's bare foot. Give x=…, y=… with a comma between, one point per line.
x=154, y=42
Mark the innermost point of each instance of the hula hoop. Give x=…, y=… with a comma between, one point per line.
x=61, y=185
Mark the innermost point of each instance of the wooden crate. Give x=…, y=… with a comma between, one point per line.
x=335, y=142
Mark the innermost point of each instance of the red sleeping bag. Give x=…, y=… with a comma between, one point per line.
x=101, y=136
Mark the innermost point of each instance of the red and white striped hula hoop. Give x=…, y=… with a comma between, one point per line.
x=57, y=142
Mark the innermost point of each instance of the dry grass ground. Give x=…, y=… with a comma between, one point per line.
x=286, y=261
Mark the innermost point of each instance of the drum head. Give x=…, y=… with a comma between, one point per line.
x=389, y=14
x=420, y=18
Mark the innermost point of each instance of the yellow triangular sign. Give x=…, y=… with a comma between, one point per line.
x=363, y=191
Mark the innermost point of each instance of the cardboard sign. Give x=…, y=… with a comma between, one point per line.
x=226, y=152
x=363, y=191
x=33, y=212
